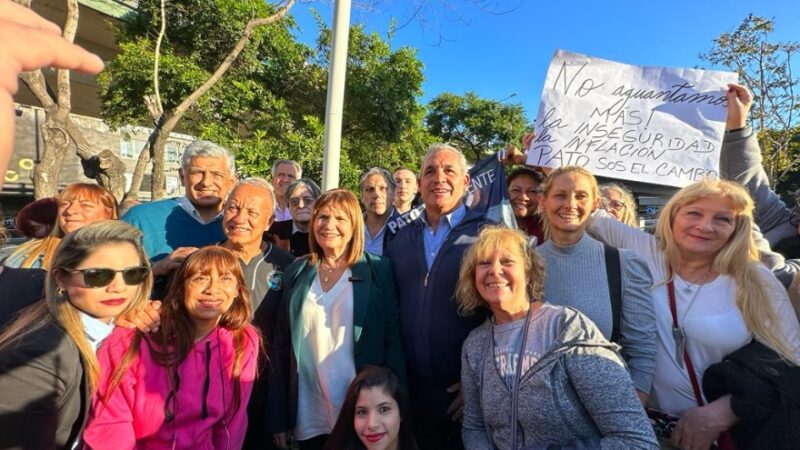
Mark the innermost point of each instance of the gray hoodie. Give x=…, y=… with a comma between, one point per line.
x=578, y=395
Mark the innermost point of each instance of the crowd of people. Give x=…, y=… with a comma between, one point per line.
x=267, y=314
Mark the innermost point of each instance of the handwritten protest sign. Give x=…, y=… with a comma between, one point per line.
x=650, y=124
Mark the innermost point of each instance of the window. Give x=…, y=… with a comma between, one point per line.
x=131, y=148
x=171, y=153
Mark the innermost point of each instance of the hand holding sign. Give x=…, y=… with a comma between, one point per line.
x=650, y=124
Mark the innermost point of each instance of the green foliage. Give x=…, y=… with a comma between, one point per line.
x=477, y=125
x=765, y=66
x=271, y=104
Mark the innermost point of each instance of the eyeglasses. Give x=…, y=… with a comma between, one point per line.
x=96, y=277
x=307, y=201
x=616, y=205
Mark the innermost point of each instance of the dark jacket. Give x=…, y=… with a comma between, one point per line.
x=430, y=326
x=765, y=397
x=43, y=391
x=375, y=322
x=20, y=288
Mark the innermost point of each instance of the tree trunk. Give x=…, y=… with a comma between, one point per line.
x=157, y=144
x=48, y=169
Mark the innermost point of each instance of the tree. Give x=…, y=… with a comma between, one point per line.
x=766, y=68
x=59, y=133
x=477, y=125
x=206, y=38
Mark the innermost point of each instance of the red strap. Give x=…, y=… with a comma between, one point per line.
x=689, y=366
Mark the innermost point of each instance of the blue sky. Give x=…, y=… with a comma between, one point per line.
x=497, y=55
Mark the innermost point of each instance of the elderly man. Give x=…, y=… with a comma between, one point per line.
x=426, y=255
x=173, y=228
x=377, y=190
x=247, y=214
x=284, y=173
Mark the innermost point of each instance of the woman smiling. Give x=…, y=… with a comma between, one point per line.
x=339, y=313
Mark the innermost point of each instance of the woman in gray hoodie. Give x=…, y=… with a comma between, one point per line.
x=537, y=375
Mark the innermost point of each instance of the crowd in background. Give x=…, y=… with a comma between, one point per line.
x=254, y=313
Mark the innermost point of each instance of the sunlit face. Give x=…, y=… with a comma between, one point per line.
x=285, y=174
x=209, y=294
x=500, y=279
x=405, y=186
x=300, y=204
x=207, y=181
x=443, y=182
x=333, y=230
x=79, y=212
x=615, y=203
x=523, y=193
x=569, y=203
x=702, y=228
x=247, y=214
x=102, y=303
x=377, y=419
x=375, y=195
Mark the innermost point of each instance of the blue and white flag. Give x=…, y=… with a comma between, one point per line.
x=487, y=191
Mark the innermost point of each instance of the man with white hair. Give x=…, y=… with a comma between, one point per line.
x=426, y=255
x=173, y=228
x=284, y=173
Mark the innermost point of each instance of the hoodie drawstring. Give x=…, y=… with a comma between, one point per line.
x=207, y=382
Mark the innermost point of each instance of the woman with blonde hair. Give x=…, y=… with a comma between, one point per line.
x=339, y=313
x=79, y=204
x=618, y=201
x=48, y=366
x=712, y=296
x=611, y=286
x=537, y=375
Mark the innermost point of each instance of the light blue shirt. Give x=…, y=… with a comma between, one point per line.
x=434, y=240
x=375, y=245
x=95, y=330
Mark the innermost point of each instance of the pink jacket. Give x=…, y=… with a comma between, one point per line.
x=134, y=417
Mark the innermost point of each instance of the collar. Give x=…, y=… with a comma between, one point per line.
x=95, y=330
x=192, y=211
x=453, y=218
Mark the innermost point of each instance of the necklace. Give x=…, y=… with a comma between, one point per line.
x=328, y=271
x=689, y=286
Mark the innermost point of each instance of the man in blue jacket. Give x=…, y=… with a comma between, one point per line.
x=426, y=256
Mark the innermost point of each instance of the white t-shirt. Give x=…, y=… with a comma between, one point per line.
x=326, y=365
x=714, y=326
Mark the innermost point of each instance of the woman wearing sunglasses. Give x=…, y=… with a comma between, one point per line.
x=186, y=386
x=48, y=366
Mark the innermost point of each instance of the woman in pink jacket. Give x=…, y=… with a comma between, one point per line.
x=186, y=386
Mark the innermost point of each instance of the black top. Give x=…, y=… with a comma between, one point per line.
x=297, y=241
x=19, y=288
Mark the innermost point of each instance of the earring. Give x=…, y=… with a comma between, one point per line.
x=60, y=291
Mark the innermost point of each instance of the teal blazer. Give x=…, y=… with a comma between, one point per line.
x=376, y=323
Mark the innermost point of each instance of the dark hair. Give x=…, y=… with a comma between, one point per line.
x=537, y=175
x=343, y=436
x=44, y=211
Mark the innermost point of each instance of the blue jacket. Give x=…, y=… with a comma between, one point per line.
x=431, y=329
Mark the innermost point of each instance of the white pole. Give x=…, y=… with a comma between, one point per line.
x=335, y=101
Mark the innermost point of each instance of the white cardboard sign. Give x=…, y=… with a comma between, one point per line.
x=650, y=124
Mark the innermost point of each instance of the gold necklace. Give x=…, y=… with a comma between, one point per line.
x=328, y=271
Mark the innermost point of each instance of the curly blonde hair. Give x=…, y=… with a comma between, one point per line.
x=490, y=239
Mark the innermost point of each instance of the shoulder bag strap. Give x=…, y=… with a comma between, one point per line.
x=614, y=277
x=698, y=396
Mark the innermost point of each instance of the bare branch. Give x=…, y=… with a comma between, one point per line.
x=37, y=84
x=158, y=109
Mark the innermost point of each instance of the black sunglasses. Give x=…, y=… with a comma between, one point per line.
x=95, y=277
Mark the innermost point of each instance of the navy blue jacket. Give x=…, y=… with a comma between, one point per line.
x=431, y=329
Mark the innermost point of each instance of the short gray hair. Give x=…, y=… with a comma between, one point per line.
x=303, y=182
x=377, y=171
x=442, y=147
x=257, y=182
x=207, y=149
x=297, y=167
